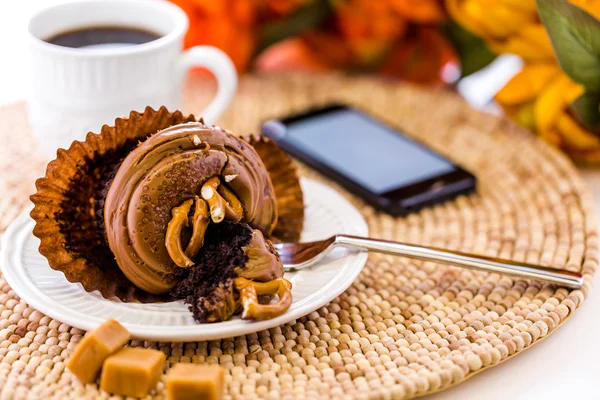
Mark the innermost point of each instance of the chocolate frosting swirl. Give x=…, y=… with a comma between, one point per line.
x=165, y=170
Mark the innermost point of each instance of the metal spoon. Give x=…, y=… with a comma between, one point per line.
x=296, y=256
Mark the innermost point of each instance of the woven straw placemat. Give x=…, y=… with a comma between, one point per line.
x=404, y=328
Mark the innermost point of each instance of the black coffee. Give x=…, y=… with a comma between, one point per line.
x=103, y=37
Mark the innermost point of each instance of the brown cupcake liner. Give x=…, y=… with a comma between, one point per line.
x=65, y=203
x=284, y=176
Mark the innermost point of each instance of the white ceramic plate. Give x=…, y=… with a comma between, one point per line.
x=30, y=276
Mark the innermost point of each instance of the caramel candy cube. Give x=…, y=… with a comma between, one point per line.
x=90, y=353
x=195, y=381
x=132, y=371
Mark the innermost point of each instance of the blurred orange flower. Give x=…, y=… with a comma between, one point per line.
x=232, y=25
x=421, y=57
x=292, y=54
x=368, y=28
x=364, y=32
x=363, y=35
x=420, y=11
x=226, y=24
x=284, y=7
x=511, y=26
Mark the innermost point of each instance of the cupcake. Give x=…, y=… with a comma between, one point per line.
x=162, y=207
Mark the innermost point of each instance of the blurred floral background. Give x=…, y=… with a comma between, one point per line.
x=430, y=42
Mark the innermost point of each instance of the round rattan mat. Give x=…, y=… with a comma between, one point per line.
x=404, y=328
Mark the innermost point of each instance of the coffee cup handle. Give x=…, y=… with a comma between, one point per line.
x=221, y=66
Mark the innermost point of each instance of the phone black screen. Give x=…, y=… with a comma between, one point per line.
x=365, y=150
x=388, y=169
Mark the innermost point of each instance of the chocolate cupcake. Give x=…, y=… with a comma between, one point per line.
x=161, y=207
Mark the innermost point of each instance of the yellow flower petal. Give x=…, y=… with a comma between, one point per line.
x=573, y=92
x=591, y=6
x=498, y=20
x=522, y=5
x=551, y=136
x=474, y=15
x=455, y=9
x=527, y=84
x=525, y=116
x=574, y=135
x=531, y=43
x=536, y=34
x=552, y=101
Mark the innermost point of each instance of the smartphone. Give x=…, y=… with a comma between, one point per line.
x=391, y=171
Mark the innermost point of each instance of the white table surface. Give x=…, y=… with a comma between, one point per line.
x=561, y=366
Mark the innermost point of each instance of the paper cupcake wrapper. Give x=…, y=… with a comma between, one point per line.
x=284, y=176
x=67, y=198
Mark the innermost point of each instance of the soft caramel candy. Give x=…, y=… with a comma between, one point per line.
x=90, y=353
x=132, y=371
x=194, y=381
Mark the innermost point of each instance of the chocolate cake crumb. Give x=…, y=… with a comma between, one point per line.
x=221, y=253
x=107, y=176
x=90, y=187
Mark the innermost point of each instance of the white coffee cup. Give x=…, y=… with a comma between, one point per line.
x=77, y=90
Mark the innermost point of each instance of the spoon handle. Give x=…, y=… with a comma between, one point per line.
x=573, y=280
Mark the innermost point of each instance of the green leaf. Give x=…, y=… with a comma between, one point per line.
x=472, y=51
x=575, y=36
x=587, y=108
x=309, y=16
